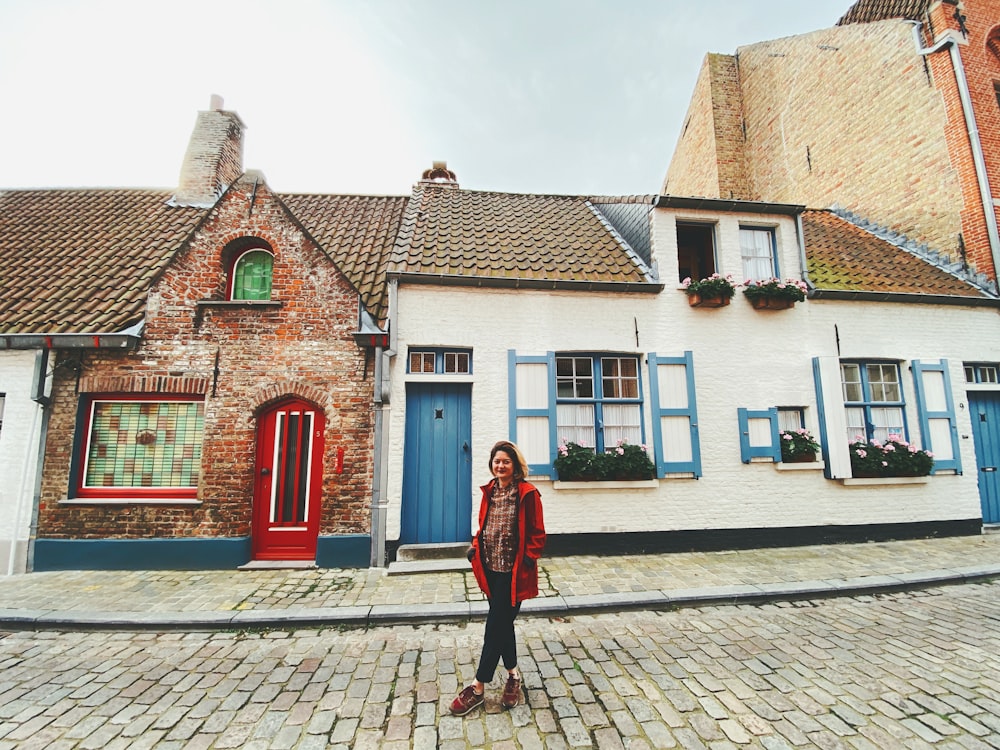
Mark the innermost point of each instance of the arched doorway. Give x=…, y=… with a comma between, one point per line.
x=288, y=478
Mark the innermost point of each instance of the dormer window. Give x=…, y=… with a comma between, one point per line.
x=250, y=278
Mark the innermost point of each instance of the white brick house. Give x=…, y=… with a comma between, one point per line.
x=488, y=299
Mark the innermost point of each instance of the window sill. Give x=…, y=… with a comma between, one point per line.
x=130, y=501
x=862, y=481
x=807, y=466
x=613, y=485
x=239, y=303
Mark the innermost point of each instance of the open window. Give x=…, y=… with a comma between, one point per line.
x=695, y=251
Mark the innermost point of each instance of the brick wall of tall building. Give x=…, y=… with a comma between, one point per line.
x=303, y=348
x=694, y=169
x=849, y=116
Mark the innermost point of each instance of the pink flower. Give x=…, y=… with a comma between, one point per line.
x=620, y=451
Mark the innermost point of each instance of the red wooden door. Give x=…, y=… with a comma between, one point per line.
x=289, y=476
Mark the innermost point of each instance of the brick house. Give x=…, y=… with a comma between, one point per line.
x=212, y=357
x=891, y=115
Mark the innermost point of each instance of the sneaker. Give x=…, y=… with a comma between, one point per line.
x=465, y=701
x=511, y=691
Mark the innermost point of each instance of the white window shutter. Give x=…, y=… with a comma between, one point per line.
x=675, y=415
x=832, y=417
x=936, y=411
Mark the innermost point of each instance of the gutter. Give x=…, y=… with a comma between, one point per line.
x=721, y=204
x=978, y=158
x=506, y=282
x=68, y=341
x=925, y=299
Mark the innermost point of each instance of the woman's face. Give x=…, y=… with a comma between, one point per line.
x=503, y=467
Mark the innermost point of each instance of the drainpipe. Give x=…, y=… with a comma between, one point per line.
x=977, y=146
x=800, y=238
x=378, y=509
x=380, y=464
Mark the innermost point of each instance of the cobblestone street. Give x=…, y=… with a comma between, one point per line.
x=914, y=669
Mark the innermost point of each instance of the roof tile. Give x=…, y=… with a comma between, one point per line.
x=844, y=257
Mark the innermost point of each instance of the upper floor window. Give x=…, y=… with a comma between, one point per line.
x=981, y=373
x=757, y=251
x=440, y=361
x=251, y=275
x=695, y=251
x=137, y=446
x=598, y=400
x=873, y=400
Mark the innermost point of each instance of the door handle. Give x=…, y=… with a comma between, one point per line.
x=465, y=447
x=265, y=472
x=989, y=468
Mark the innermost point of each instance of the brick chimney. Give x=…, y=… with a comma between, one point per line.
x=439, y=175
x=214, y=158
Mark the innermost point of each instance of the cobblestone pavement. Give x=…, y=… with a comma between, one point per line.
x=913, y=670
x=297, y=590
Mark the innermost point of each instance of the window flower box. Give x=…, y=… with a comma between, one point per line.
x=623, y=463
x=894, y=458
x=715, y=291
x=798, y=446
x=774, y=294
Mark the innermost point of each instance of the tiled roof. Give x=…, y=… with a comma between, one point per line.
x=357, y=232
x=867, y=11
x=844, y=257
x=81, y=261
x=453, y=232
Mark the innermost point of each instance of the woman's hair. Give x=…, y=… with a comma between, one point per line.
x=520, y=466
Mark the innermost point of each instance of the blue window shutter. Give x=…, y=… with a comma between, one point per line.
x=770, y=450
x=676, y=405
x=532, y=416
x=936, y=413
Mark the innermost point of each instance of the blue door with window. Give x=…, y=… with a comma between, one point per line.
x=437, y=464
x=984, y=411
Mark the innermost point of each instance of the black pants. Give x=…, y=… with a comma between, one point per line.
x=498, y=642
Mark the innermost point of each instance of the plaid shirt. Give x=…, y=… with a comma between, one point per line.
x=499, y=537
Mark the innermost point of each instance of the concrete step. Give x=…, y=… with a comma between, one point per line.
x=414, y=552
x=278, y=565
x=430, y=558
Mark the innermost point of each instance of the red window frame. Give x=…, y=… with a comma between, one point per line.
x=87, y=420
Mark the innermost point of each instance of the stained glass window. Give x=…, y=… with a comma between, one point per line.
x=144, y=444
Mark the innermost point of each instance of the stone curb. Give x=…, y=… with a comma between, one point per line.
x=415, y=614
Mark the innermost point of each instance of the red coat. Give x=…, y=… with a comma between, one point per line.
x=531, y=541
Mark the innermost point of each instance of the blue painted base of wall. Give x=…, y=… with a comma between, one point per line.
x=342, y=551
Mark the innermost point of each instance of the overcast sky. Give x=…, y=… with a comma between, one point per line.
x=352, y=96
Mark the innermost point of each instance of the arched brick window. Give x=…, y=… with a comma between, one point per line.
x=249, y=266
x=251, y=275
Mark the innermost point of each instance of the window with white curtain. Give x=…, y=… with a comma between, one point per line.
x=873, y=401
x=757, y=253
x=598, y=402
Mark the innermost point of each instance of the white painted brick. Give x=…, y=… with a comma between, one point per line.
x=19, y=440
x=742, y=358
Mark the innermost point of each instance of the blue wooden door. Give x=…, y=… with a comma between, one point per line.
x=437, y=468
x=984, y=410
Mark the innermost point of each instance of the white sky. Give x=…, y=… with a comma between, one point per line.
x=352, y=96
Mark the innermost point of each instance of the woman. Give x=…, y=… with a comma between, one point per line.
x=504, y=558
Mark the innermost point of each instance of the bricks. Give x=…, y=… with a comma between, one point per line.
x=854, y=116
x=240, y=359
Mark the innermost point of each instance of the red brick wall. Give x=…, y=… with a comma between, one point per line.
x=304, y=348
x=982, y=71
